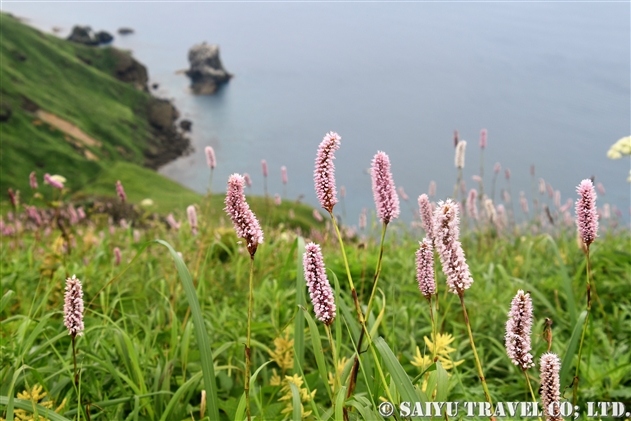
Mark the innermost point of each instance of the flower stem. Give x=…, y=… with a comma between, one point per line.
x=248, y=360
x=434, y=330
x=532, y=393
x=487, y=395
x=580, y=347
x=74, y=359
x=377, y=272
x=336, y=380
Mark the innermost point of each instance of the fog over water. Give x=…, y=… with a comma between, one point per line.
x=550, y=82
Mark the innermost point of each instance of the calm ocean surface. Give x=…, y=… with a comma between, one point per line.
x=550, y=82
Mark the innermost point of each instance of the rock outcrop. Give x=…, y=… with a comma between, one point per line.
x=167, y=143
x=125, y=31
x=130, y=70
x=85, y=35
x=206, y=71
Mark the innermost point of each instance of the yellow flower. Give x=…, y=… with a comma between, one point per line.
x=338, y=372
x=283, y=355
x=287, y=395
x=620, y=148
x=35, y=395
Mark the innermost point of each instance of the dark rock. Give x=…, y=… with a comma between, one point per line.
x=161, y=113
x=103, y=37
x=155, y=86
x=83, y=35
x=125, y=31
x=129, y=70
x=5, y=111
x=19, y=55
x=186, y=125
x=206, y=71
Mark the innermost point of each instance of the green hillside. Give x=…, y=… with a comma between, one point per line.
x=75, y=84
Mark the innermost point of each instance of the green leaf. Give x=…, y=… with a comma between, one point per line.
x=203, y=342
x=339, y=404
x=443, y=383
x=240, y=414
x=178, y=395
x=5, y=299
x=317, y=350
x=566, y=365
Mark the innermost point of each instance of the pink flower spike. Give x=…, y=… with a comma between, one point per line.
x=497, y=168
x=431, y=190
x=172, y=222
x=483, y=134
x=426, y=213
x=324, y=173
x=586, y=215
x=52, y=182
x=320, y=289
x=383, y=189
x=73, y=306
x=342, y=191
x=32, y=178
x=243, y=219
x=362, y=219
x=247, y=179
x=120, y=191
x=456, y=138
x=425, y=268
x=283, y=174
x=317, y=216
x=550, y=366
x=210, y=157
x=402, y=194
x=264, y=167
x=192, y=218
x=472, y=207
x=600, y=188
x=460, y=152
x=117, y=256
x=507, y=174
x=277, y=199
x=518, y=331
x=449, y=249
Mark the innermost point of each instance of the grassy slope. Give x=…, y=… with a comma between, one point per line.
x=49, y=72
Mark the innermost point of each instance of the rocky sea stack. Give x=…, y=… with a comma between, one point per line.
x=85, y=35
x=206, y=71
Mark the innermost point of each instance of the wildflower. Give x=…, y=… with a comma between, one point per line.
x=362, y=219
x=32, y=178
x=247, y=179
x=557, y=199
x=80, y=212
x=172, y=222
x=497, y=168
x=73, y=306
x=117, y=256
x=606, y=211
x=287, y=394
x=264, y=167
x=476, y=178
x=621, y=147
x=586, y=216
x=120, y=191
x=402, y=194
x=518, y=330
x=283, y=174
x=319, y=288
x=192, y=218
x=542, y=186
x=425, y=211
x=507, y=174
x=383, y=190
x=472, y=207
x=425, y=268
x=524, y=203
x=449, y=248
x=339, y=371
x=245, y=223
x=324, y=174
x=600, y=188
x=549, y=366
x=13, y=197
x=439, y=345
x=277, y=199
x=456, y=138
x=283, y=354
x=146, y=203
x=35, y=395
x=460, y=148
x=342, y=191
x=550, y=190
x=317, y=216
x=210, y=157
x=483, y=134
x=136, y=235
x=48, y=179
x=431, y=190
x=500, y=221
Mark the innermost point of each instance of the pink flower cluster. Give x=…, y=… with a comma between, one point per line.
x=586, y=215
x=73, y=306
x=210, y=157
x=449, y=249
x=427, y=218
x=383, y=189
x=319, y=288
x=518, y=330
x=245, y=223
x=324, y=174
x=550, y=366
x=425, y=268
x=121, y=191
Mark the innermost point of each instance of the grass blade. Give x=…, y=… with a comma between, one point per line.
x=240, y=413
x=5, y=299
x=178, y=394
x=295, y=399
x=339, y=404
x=567, y=281
x=566, y=365
x=317, y=350
x=205, y=353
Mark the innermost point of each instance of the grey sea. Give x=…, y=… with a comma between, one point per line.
x=550, y=81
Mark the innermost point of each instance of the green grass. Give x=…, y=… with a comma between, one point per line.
x=140, y=356
x=53, y=74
